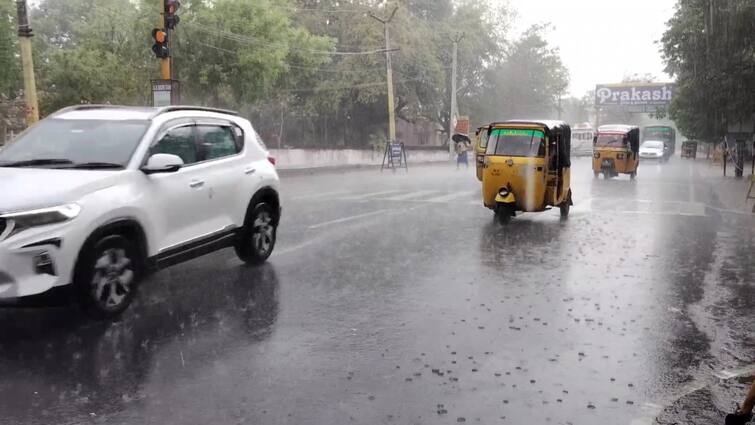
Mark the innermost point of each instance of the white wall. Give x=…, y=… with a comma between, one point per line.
x=319, y=158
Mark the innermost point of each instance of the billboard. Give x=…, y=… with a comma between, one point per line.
x=634, y=95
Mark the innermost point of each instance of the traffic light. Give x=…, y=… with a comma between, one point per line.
x=171, y=19
x=160, y=48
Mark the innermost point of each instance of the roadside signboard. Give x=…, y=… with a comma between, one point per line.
x=640, y=97
x=394, y=157
x=166, y=92
x=462, y=125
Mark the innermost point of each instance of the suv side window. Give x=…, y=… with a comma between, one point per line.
x=216, y=141
x=178, y=141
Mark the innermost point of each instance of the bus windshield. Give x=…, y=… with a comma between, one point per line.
x=516, y=142
x=611, y=140
x=658, y=133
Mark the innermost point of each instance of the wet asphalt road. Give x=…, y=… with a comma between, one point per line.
x=397, y=299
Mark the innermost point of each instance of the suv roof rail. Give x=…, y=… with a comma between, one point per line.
x=161, y=110
x=166, y=109
x=87, y=106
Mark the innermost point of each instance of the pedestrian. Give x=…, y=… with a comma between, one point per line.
x=743, y=414
x=462, y=147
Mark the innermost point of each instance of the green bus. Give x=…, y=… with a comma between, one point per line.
x=662, y=133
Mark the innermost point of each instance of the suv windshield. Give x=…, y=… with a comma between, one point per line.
x=61, y=142
x=516, y=142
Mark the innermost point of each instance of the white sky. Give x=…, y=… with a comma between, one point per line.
x=601, y=41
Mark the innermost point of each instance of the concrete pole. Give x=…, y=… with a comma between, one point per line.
x=27, y=62
x=389, y=79
x=389, y=75
x=452, y=115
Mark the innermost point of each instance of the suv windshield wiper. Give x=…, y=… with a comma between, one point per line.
x=95, y=165
x=36, y=162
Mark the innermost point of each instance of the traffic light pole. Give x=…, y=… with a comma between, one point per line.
x=165, y=63
x=30, y=85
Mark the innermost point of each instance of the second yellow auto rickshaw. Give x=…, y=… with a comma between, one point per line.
x=616, y=151
x=524, y=166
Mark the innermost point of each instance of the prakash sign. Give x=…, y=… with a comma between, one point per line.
x=658, y=94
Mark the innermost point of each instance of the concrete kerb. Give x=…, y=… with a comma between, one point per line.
x=333, y=169
x=731, y=191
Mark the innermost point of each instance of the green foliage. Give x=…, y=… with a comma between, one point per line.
x=10, y=71
x=307, y=72
x=528, y=81
x=709, y=46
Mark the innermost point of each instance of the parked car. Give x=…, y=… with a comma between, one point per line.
x=94, y=197
x=652, y=149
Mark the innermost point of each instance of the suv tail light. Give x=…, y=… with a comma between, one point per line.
x=271, y=159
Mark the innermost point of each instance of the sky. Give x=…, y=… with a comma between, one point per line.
x=601, y=41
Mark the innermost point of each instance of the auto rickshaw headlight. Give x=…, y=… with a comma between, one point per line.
x=504, y=192
x=596, y=155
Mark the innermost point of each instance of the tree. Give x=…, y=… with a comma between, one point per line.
x=237, y=51
x=10, y=70
x=528, y=81
x=307, y=72
x=709, y=47
x=90, y=52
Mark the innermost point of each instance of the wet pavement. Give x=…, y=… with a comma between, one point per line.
x=395, y=298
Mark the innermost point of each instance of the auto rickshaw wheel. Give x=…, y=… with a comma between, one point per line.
x=597, y=174
x=633, y=175
x=503, y=214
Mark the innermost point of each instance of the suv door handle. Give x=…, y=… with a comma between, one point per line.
x=250, y=170
x=194, y=184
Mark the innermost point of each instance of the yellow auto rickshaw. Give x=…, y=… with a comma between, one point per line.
x=526, y=166
x=616, y=151
x=689, y=149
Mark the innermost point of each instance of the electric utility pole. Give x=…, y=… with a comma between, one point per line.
x=30, y=85
x=389, y=71
x=454, y=108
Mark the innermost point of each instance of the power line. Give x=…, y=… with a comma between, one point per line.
x=314, y=68
x=357, y=86
x=253, y=41
x=315, y=10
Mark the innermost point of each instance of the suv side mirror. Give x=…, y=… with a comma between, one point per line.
x=163, y=163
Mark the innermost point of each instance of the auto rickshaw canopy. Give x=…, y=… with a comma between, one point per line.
x=632, y=132
x=556, y=130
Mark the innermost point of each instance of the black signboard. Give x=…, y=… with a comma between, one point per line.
x=394, y=157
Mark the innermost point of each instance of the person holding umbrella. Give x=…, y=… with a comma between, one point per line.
x=463, y=145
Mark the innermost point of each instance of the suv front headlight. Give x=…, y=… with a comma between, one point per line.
x=23, y=220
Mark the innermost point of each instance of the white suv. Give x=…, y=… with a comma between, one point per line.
x=94, y=197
